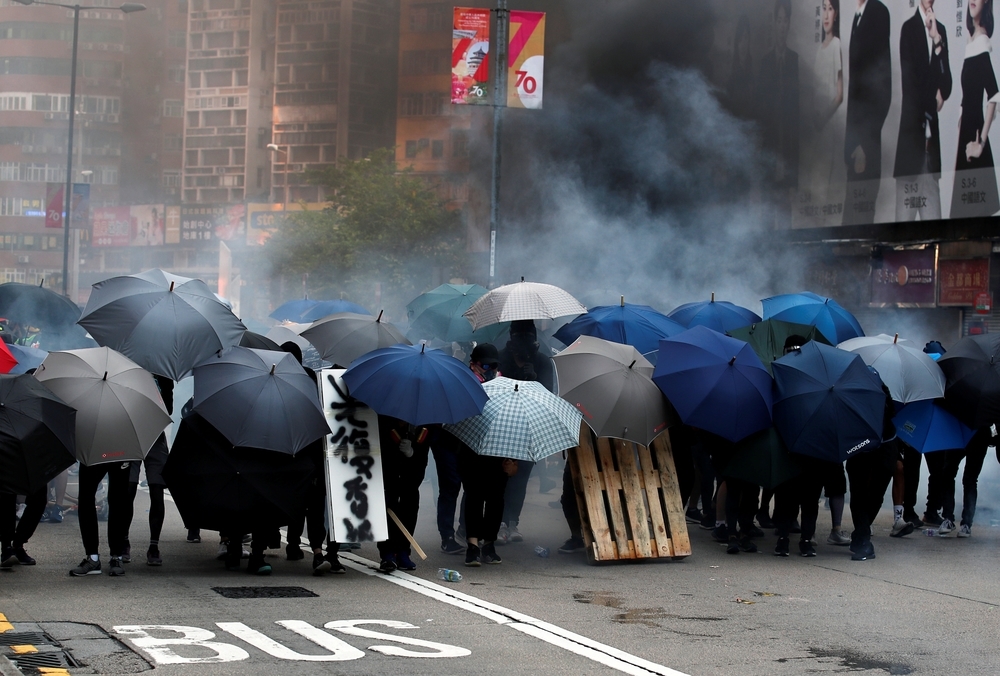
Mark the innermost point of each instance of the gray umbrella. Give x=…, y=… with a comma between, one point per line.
x=163, y=322
x=259, y=399
x=343, y=337
x=119, y=411
x=610, y=385
x=523, y=300
x=909, y=373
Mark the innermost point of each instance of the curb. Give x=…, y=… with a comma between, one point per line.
x=7, y=668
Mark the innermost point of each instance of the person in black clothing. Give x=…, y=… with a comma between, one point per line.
x=405, y=451
x=15, y=534
x=974, y=455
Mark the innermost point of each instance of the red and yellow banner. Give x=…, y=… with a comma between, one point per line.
x=526, y=59
x=470, y=63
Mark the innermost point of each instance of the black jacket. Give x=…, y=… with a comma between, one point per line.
x=869, y=88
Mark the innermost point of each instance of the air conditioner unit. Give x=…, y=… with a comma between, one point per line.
x=23, y=259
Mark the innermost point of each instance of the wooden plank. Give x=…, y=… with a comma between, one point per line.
x=613, y=484
x=635, y=502
x=651, y=481
x=590, y=498
x=672, y=496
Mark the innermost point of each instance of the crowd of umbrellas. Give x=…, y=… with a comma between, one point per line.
x=628, y=372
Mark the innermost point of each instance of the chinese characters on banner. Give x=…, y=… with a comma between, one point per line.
x=963, y=280
x=137, y=225
x=905, y=278
x=211, y=222
x=470, y=47
x=526, y=59
x=353, y=463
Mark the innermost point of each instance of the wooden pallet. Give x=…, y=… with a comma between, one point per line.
x=630, y=504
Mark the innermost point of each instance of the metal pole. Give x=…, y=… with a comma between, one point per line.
x=285, y=209
x=68, y=196
x=499, y=102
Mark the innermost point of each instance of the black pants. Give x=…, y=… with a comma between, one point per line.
x=741, y=505
x=911, y=477
x=14, y=533
x=484, y=482
x=803, y=493
x=513, y=497
x=869, y=475
x=974, y=457
x=402, y=477
x=570, y=507
x=311, y=517
x=449, y=486
x=937, y=469
x=119, y=505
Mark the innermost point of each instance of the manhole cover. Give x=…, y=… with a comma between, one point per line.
x=24, y=638
x=264, y=592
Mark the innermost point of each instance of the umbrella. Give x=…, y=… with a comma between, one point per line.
x=522, y=420
x=259, y=398
x=258, y=342
x=27, y=358
x=415, y=384
x=833, y=321
x=928, y=427
x=716, y=383
x=42, y=308
x=231, y=489
x=827, y=403
x=440, y=313
x=640, y=326
x=8, y=362
x=972, y=373
x=852, y=344
x=718, y=315
x=292, y=310
x=37, y=435
x=767, y=337
x=289, y=333
x=523, y=300
x=163, y=322
x=344, y=337
x=609, y=384
x=909, y=373
x=763, y=460
x=119, y=411
x=325, y=308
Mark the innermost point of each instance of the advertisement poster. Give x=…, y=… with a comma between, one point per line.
x=470, y=64
x=173, y=226
x=213, y=222
x=904, y=278
x=112, y=226
x=264, y=218
x=526, y=59
x=55, y=206
x=963, y=280
x=147, y=224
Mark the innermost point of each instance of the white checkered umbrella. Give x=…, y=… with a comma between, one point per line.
x=523, y=300
x=522, y=420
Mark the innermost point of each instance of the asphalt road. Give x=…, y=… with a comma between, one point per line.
x=923, y=606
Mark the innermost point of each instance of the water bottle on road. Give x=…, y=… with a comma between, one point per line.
x=449, y=575
x=542, y=552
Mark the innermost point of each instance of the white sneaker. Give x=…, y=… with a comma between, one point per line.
x=965, y=531
x=223, y=551
x=20, y=511
x=514, y=535
x=947, y=526
x=503, y=535
x=901, y=528
x=838, y=537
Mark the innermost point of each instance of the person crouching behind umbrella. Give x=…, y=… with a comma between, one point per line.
x=405, y=450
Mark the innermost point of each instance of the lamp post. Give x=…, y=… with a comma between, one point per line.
x=127, y=8
x=276, y=148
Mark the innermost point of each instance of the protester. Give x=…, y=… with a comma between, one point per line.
x=449, y=481
x=119, y=516
x=14, y=533
x=405, y=451
x=974, y=454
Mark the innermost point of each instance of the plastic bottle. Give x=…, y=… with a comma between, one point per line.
x=449, y=575
x=930, y=532
x=542, y=552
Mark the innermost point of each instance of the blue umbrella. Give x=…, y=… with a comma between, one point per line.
x=716, y=383
x=719, y=315
x=640, y=326
x=325, y=308
x=27, y=358
x=292, y=310
x=827, y=403
x=927, y=427
x=440, y=313
x=417, y=385
x=834, y=322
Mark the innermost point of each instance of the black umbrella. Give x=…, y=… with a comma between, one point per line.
x=972, y=379
x=233, y=489
x=37, y=435
x=258, y=342
x=43, y=308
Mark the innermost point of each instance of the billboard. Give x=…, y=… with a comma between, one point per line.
x=904, y=278
x=55, y=205
x=526, y=59
x=470, y=64
x=208, y=222
x=962, y=280
x=137, y=225
x=264, y=218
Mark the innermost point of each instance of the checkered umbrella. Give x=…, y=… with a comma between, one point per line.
x=523, y=300
x=522, y=420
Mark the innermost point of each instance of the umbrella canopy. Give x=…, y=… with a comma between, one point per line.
x=37, y=435
x=909, y=373
x=42, y=308
x=258, y=342
x=289, y=333
x=415, y=384
x=718, y=315
x=440, y=313
x=640, y=326
x=972, y=374
x=928, y=427
x=7, y=360
x=27, y=358
x=231, y=489
x=610, y=385
x=767, y=337
x=716, y=383
x=833, y=321
x=119, y=411
x=292, y=310
x=325, y=308
x=763, y=460
x=852, y=344
x=523, y=300
x=343, y=338
x=163, y=322
x=260, y=399
x=522, y=420
x=827, y=403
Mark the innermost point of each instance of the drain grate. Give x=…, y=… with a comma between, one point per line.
x=264, y=592
x=48, y=659
x=25, y=638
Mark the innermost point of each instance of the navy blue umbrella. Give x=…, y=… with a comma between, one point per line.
x=718, y=315
x=716, y=383
x=927, y=427
x=325, y=308
x=972, y=379
x=27, y=358
x=827, y=403
x=834, y=322
x=640, y=326
x=417, y=385
x=293, y=309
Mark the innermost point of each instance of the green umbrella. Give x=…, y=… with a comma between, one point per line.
x=767, y=337
x=763, y=460
x=439, y=313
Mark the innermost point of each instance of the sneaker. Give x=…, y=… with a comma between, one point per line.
x=755, y=532
x=336, y=567
x=572, y=546
x=911, y=517
x=932, y=519
x=901, y=527
x=450, y=546
x=20, y=511
x=52, y=514
x=153, y=557
x=127, y=554
x=863, y=551
x=734, y=545
x=514, y=535
x=489, y=553
x=23, y=558
x=258, y=567
x=707, y=522
x=503, y=535
x=404, y=562
x=806, y=548
x=472, y=556
x=194, y=535
x=693, y=516
x=764, y=520
x=116, y=567
x=320, y=564
x=720, y=533
x=87, y=567
x=7, y=558
x=838, y=537
x=223, y=552
x=747, y=545
x=781, y=549
x=294, y=553
x=387, y=564
x=965, y=531
x=947, y=526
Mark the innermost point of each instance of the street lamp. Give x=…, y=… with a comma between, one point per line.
x=127, y=8
x=274, y=147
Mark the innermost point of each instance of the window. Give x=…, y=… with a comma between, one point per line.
x=240, y=118
x=241, y=78
x=219, y=78
x=309, y=73
x=194, y=80
x=175, y=74
x=239, y=156
x=172, y=143
x=437, y=149
x=211, y=158
x=309, y=32
x=411, y=149
x=178, y=38
x=191, y=158
x=192, y=119
x=173, y=108
x=459, y=144
x=411, y=105
x=305, y=154
x=216, y=118
x=426, y=18
x=196, y=40
x=218, y=40
x=243, y=39
x=426, y=61
x=171, y=179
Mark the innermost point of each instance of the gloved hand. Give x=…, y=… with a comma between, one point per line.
x=406, y=448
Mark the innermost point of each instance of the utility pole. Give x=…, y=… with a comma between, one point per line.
x=499, y=103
